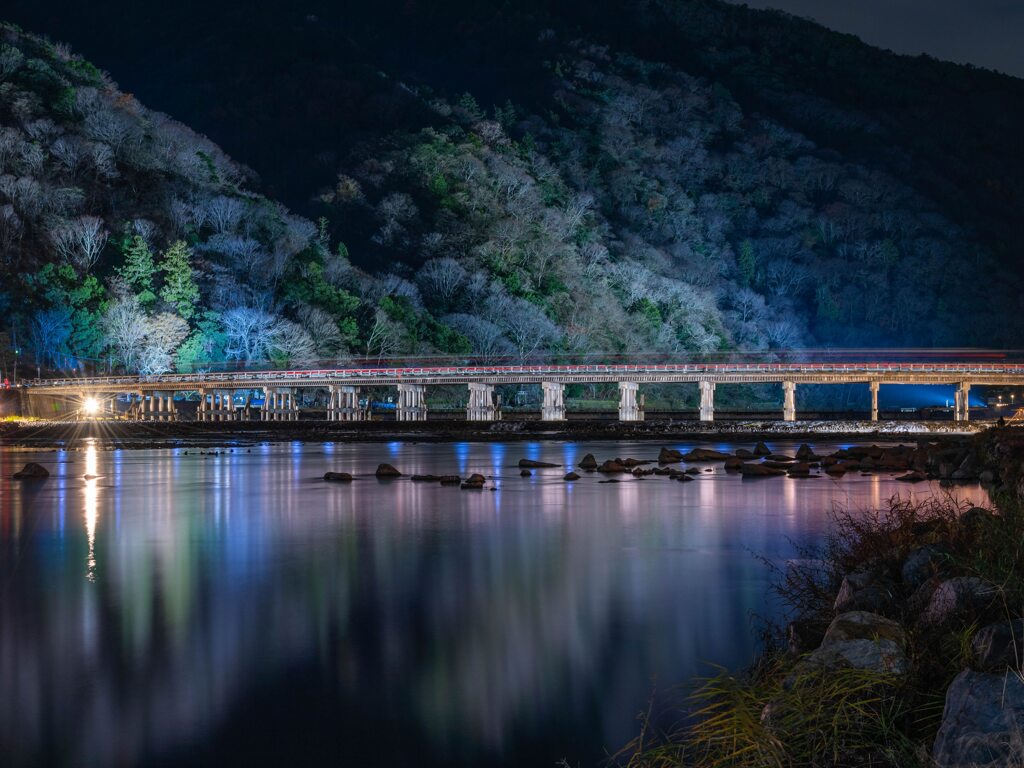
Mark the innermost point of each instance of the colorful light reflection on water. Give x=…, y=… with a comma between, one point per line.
x=175, y=609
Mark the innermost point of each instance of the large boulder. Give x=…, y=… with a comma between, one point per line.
x=761, y=449
x=387, y=471
x=734, y=462
x=474, y=482
x=806, y=453
x=998, y=646
x=338, y=477
x=864, y=591
x=743, y=453
x=858, y=640
x=32, y=471
x=959, y=596
x=982, y=722
x=571, y=476
x=612, y=465
x=923, y=563
x=589, y=462
x=863, y=625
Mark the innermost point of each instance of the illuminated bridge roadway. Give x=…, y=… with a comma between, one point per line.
x=153, y=396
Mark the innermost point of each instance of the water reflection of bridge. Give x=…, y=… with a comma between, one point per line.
x=154, y=396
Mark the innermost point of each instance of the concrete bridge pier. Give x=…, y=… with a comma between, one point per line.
x=874, y=385
x=553, y=402
x=412, y=403
x=631, y=402
x=707, y=400
x=962, y=410
x=788, y=401
x=481, y=405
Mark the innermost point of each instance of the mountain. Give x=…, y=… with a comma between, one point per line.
x=676, y=175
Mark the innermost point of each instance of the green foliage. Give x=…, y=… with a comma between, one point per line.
x=649, y=311
x=138, y=269
x=828, y=307
x=747, y=263
x=204, y=345
x=308, y=285
x=211, y=168
x=179, y=289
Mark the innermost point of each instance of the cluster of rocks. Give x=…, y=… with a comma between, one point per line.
x=474, y=482
x=917, y=592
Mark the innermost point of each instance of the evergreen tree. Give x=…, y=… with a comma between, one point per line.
x=139, y=269
x=180, y=289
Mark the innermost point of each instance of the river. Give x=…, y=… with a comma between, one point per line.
x=234, y=609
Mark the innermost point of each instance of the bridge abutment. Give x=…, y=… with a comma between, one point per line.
x=874, y=385
x=553, y=403
x=412, y=402
x=343, y=404
x=707, y=400
x=962, y=409
x=482, y=405
x=788, y=401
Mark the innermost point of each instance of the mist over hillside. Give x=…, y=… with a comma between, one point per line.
x=680, y=177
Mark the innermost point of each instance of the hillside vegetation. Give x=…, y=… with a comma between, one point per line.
x=704, y=196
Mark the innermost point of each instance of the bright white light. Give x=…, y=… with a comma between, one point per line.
x=91, y=406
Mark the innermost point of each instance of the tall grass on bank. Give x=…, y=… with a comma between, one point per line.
x=780, y=714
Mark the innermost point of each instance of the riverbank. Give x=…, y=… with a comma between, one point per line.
x=905, y=643
x=134, y=434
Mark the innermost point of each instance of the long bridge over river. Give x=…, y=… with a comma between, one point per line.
x=154, y=396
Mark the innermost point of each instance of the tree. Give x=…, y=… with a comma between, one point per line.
x=249, y=333
x=79, y=241
x=180, y=289
x=442, y=278
x=486, y=339
x=139, y=269
x=291, y=344
x=125, y=327
x=49, y=332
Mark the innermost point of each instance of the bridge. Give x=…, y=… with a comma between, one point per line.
x=154, y=396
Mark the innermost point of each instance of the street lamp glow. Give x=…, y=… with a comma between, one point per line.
x=90, y=406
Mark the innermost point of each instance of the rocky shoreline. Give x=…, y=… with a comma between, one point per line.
x=128, y=434
x=906, y=642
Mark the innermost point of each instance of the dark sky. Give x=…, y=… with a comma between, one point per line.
x=986, y=33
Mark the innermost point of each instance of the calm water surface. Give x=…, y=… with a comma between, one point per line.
x=237, y=610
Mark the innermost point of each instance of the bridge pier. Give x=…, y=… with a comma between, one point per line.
x=874, y=385
x=412, y=403
x=962, y=410
x=343, y=403
x=481, y=405
x=707, y=400
x=553, y=403
x=788, y=401
x=631, y=403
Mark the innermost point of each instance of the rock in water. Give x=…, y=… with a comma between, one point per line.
x=570, y=476
x=612, y=466
x=425, y=478
x=531, y=464
x=338, y=477
x=589, y=462
x=705, y=454
x=386, y=470
x=669, y=456
x=525, y=473
x=32, y=471
x=805, y=453
x=762, y=450
x=474, y=483
x=744, y=454
x=981, y=723
x=449, y=479
x=759, y=470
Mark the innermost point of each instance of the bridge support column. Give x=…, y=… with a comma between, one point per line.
x=630, y=402
x=788, y=401
x=707, y=400
x=553, y=404
x=412, y=402
x=962, y=412
x=874, y=385
x=348, y=404
x=481, y=406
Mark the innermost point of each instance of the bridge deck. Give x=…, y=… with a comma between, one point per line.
x=720, y=373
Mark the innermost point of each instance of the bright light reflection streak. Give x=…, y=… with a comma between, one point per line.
x=91, y=503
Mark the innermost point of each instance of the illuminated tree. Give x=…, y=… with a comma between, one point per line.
x=179, y=289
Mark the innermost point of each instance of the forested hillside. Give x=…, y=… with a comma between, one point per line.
x=696, y=178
